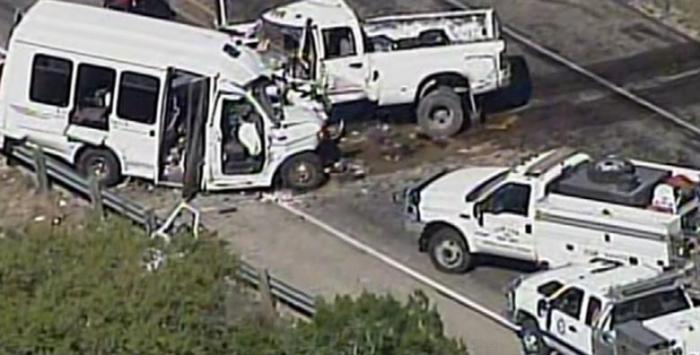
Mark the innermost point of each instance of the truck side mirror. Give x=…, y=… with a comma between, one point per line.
x=479, y=213
x=543, y=306
x=608, y=337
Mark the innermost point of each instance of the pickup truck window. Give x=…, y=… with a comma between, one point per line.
x=549, y=288
x=51, y=80
x=650, y=306
x=511, y=198
x=486, y=186
x=570, y=302
x=339, y=42
x=593, y=311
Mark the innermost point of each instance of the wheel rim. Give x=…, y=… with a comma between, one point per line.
x=449, y=254
x=531, y=342
x=441, y=117
x=302, y=174
x=99, y=168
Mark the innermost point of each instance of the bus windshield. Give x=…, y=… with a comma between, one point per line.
x=261, y=92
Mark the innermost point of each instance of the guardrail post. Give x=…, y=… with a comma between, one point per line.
x=151, y=224
x=42, y=179
x=96, y=195
x=268, y=302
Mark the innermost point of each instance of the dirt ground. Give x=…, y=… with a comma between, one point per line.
x=680, y=14
x=22, y=206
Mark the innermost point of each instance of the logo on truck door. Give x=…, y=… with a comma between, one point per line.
x=561, y=327
x=506, y=234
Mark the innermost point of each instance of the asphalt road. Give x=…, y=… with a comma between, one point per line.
x=652, y=61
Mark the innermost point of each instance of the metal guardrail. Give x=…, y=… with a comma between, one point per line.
x=295, y=299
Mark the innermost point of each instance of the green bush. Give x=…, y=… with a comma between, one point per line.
x=87, y=290
x=377, y=325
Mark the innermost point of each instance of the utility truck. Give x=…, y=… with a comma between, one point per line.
x=557, y=207
x=605, y=308
x=440, y=63
x=117, y=94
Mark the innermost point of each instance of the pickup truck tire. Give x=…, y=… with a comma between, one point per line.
x=440, y=113
x=532, y=339
x=303, y=172
x=449, y=251
x=102, y=163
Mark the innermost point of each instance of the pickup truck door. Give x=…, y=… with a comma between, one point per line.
x=570, y=320
x=505, y=222
x=344, y=62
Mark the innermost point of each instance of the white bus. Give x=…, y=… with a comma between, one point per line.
x=119, y=95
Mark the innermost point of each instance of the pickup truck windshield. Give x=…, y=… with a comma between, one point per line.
x=651, y=306
x=279, y=43
x=486, y=186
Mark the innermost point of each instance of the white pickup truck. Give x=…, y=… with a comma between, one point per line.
x=557, y=207
x=441, y=63
x=605, y=308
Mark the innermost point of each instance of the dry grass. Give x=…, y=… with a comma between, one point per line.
x=20, y=205
x=692, y=9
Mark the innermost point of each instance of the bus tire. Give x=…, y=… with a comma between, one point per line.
x=102, y=163
x=303, y=172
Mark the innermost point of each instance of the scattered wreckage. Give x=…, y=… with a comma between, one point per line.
x=606, y=308
x=442, y=63
x=196, y=110
x=555, y=208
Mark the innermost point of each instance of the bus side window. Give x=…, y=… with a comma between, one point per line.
x=51, y=80
x=93, y=98
x=138, y=98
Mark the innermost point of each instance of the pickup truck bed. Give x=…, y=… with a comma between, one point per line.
x=433, y=29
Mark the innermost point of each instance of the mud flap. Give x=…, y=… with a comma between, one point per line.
x=329, y=152
x=515, y=95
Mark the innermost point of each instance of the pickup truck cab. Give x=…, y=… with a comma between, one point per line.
x=557, y=207
x=441, y=63
x=604, y=308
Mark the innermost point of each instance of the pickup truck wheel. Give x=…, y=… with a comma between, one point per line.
x=303, y=172
x=440, y=113
x=102, y=164
x=532, y=339
x=449, y=252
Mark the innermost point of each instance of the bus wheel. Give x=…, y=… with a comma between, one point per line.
x=303, y=172
x=102, y=164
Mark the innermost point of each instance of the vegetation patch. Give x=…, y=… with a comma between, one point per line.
x=104, y=287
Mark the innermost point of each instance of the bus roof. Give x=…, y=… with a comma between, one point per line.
x=140, y=40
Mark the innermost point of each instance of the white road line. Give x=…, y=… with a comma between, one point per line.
x=591, y=75
x=437, y=286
